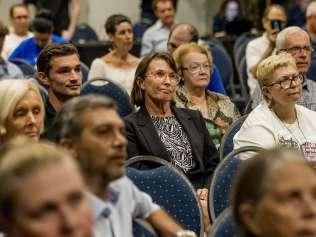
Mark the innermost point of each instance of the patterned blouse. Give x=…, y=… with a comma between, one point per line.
x=220, y=115
x=175, y=140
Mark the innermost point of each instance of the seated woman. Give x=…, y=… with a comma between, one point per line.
x=118, y=65
x=268, y=200
x=194, y=65
x=21, y=109
x=159, y=128
x=278, y=120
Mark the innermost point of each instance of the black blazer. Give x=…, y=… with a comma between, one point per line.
x=143, y=139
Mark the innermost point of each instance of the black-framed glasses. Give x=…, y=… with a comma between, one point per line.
x=285, y=82
x=298, y=49
x=162, y=75
x=197, y=67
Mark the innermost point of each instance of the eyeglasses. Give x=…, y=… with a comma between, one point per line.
x=162, y=75
x=297, y=49
x=196, y=67
x=286, y=82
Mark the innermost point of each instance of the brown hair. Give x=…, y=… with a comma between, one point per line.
x=3, y=30
x=51, y=51
x=155, y=2
x=137, y=94
x=12, y=8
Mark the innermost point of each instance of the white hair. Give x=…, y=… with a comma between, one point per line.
x=283, y=35
x=311, y=9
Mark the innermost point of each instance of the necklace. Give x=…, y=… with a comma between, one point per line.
x=290, y=131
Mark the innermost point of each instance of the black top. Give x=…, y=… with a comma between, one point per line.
x=50, y=114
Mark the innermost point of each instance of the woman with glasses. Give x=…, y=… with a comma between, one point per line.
x=194, y=64
x=159, y=128
x=278, y=120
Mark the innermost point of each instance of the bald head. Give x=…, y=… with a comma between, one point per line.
x=180, y=34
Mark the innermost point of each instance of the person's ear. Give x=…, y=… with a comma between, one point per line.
x=141, y=83
x=43, y=78
x=69, y=145
x=111, y=37
x=248, y=218
x=266, y=92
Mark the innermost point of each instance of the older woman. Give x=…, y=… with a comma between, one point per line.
x=194, y=64
x=21, y=109
x=268, y=200
x=42, y=193
x=159, y=128
x=278, y=120
x=118, y=65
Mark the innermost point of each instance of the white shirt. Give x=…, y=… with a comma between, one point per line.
x=155, y=39
x=11, y=42
x=122, y=76
x=263, y=128
x=254, y=52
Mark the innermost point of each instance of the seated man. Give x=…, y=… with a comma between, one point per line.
x=43, y=35
x=7, y=69
x=20, y=21
x=42, y=192
x=90, y=127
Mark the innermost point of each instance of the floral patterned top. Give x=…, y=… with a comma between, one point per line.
x=221, y=112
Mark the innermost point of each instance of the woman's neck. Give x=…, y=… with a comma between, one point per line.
x=196, y=92
x=120, y=54
x=286, y=114
x=158, y=108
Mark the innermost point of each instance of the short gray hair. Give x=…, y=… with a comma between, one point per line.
x=311, y=9
x=284, y=34
x=69, y=122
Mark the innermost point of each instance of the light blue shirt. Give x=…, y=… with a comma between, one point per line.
x=125, y=202
x=155, y=39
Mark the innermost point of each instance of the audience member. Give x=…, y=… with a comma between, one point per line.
x=43, y=35
x=278, y=120
x=91, y=128
x=296, y=41
x=185, y=33
x=20, y=21
x=159, y=128
x=118, y=65
x=7, y=69
x=194, y=65
x=230, y=20
x=42, y=193
x=65, y=15
x=21, y=109
x=274, y=20
x=59, y=70
x=155, y=37
x=311, y=23
x=274, y=195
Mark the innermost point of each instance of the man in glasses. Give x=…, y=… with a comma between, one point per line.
x=274, y=20
x=296, y=41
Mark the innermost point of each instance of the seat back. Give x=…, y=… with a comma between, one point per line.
x=103, y=86
x=85, y=72
x=27, y=69
x=83, y=34
x=227, y=143
x=169, y=188
x=221, y=185
x=224, y=225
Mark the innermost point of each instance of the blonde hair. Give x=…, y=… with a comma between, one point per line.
x=269, y=65
x=20, y=158
x=11, y=92
x=184, y=49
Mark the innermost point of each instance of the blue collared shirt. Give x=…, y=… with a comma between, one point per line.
x=125, y=202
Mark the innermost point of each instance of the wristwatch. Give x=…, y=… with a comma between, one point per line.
x=185, y=233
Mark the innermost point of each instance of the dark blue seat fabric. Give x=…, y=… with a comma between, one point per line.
x=106, y=87
x=224, y=225
x=85, y=72
x=83, y=34
x=169, y=188
x=311, y=74
x=140, y=231
x=221, y=185
x=227, y=144
x=27, y=69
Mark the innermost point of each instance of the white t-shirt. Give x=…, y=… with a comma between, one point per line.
x=11, y=42
x=263, y=128
x=123, y=77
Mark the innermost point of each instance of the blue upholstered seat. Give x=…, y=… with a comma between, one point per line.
x=224, y=225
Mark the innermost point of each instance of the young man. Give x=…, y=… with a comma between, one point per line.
x=90, y=127
x=155, y=37
x=59, y=70
x=20, y=21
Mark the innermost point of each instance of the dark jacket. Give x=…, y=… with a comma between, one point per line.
x=143, y=139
